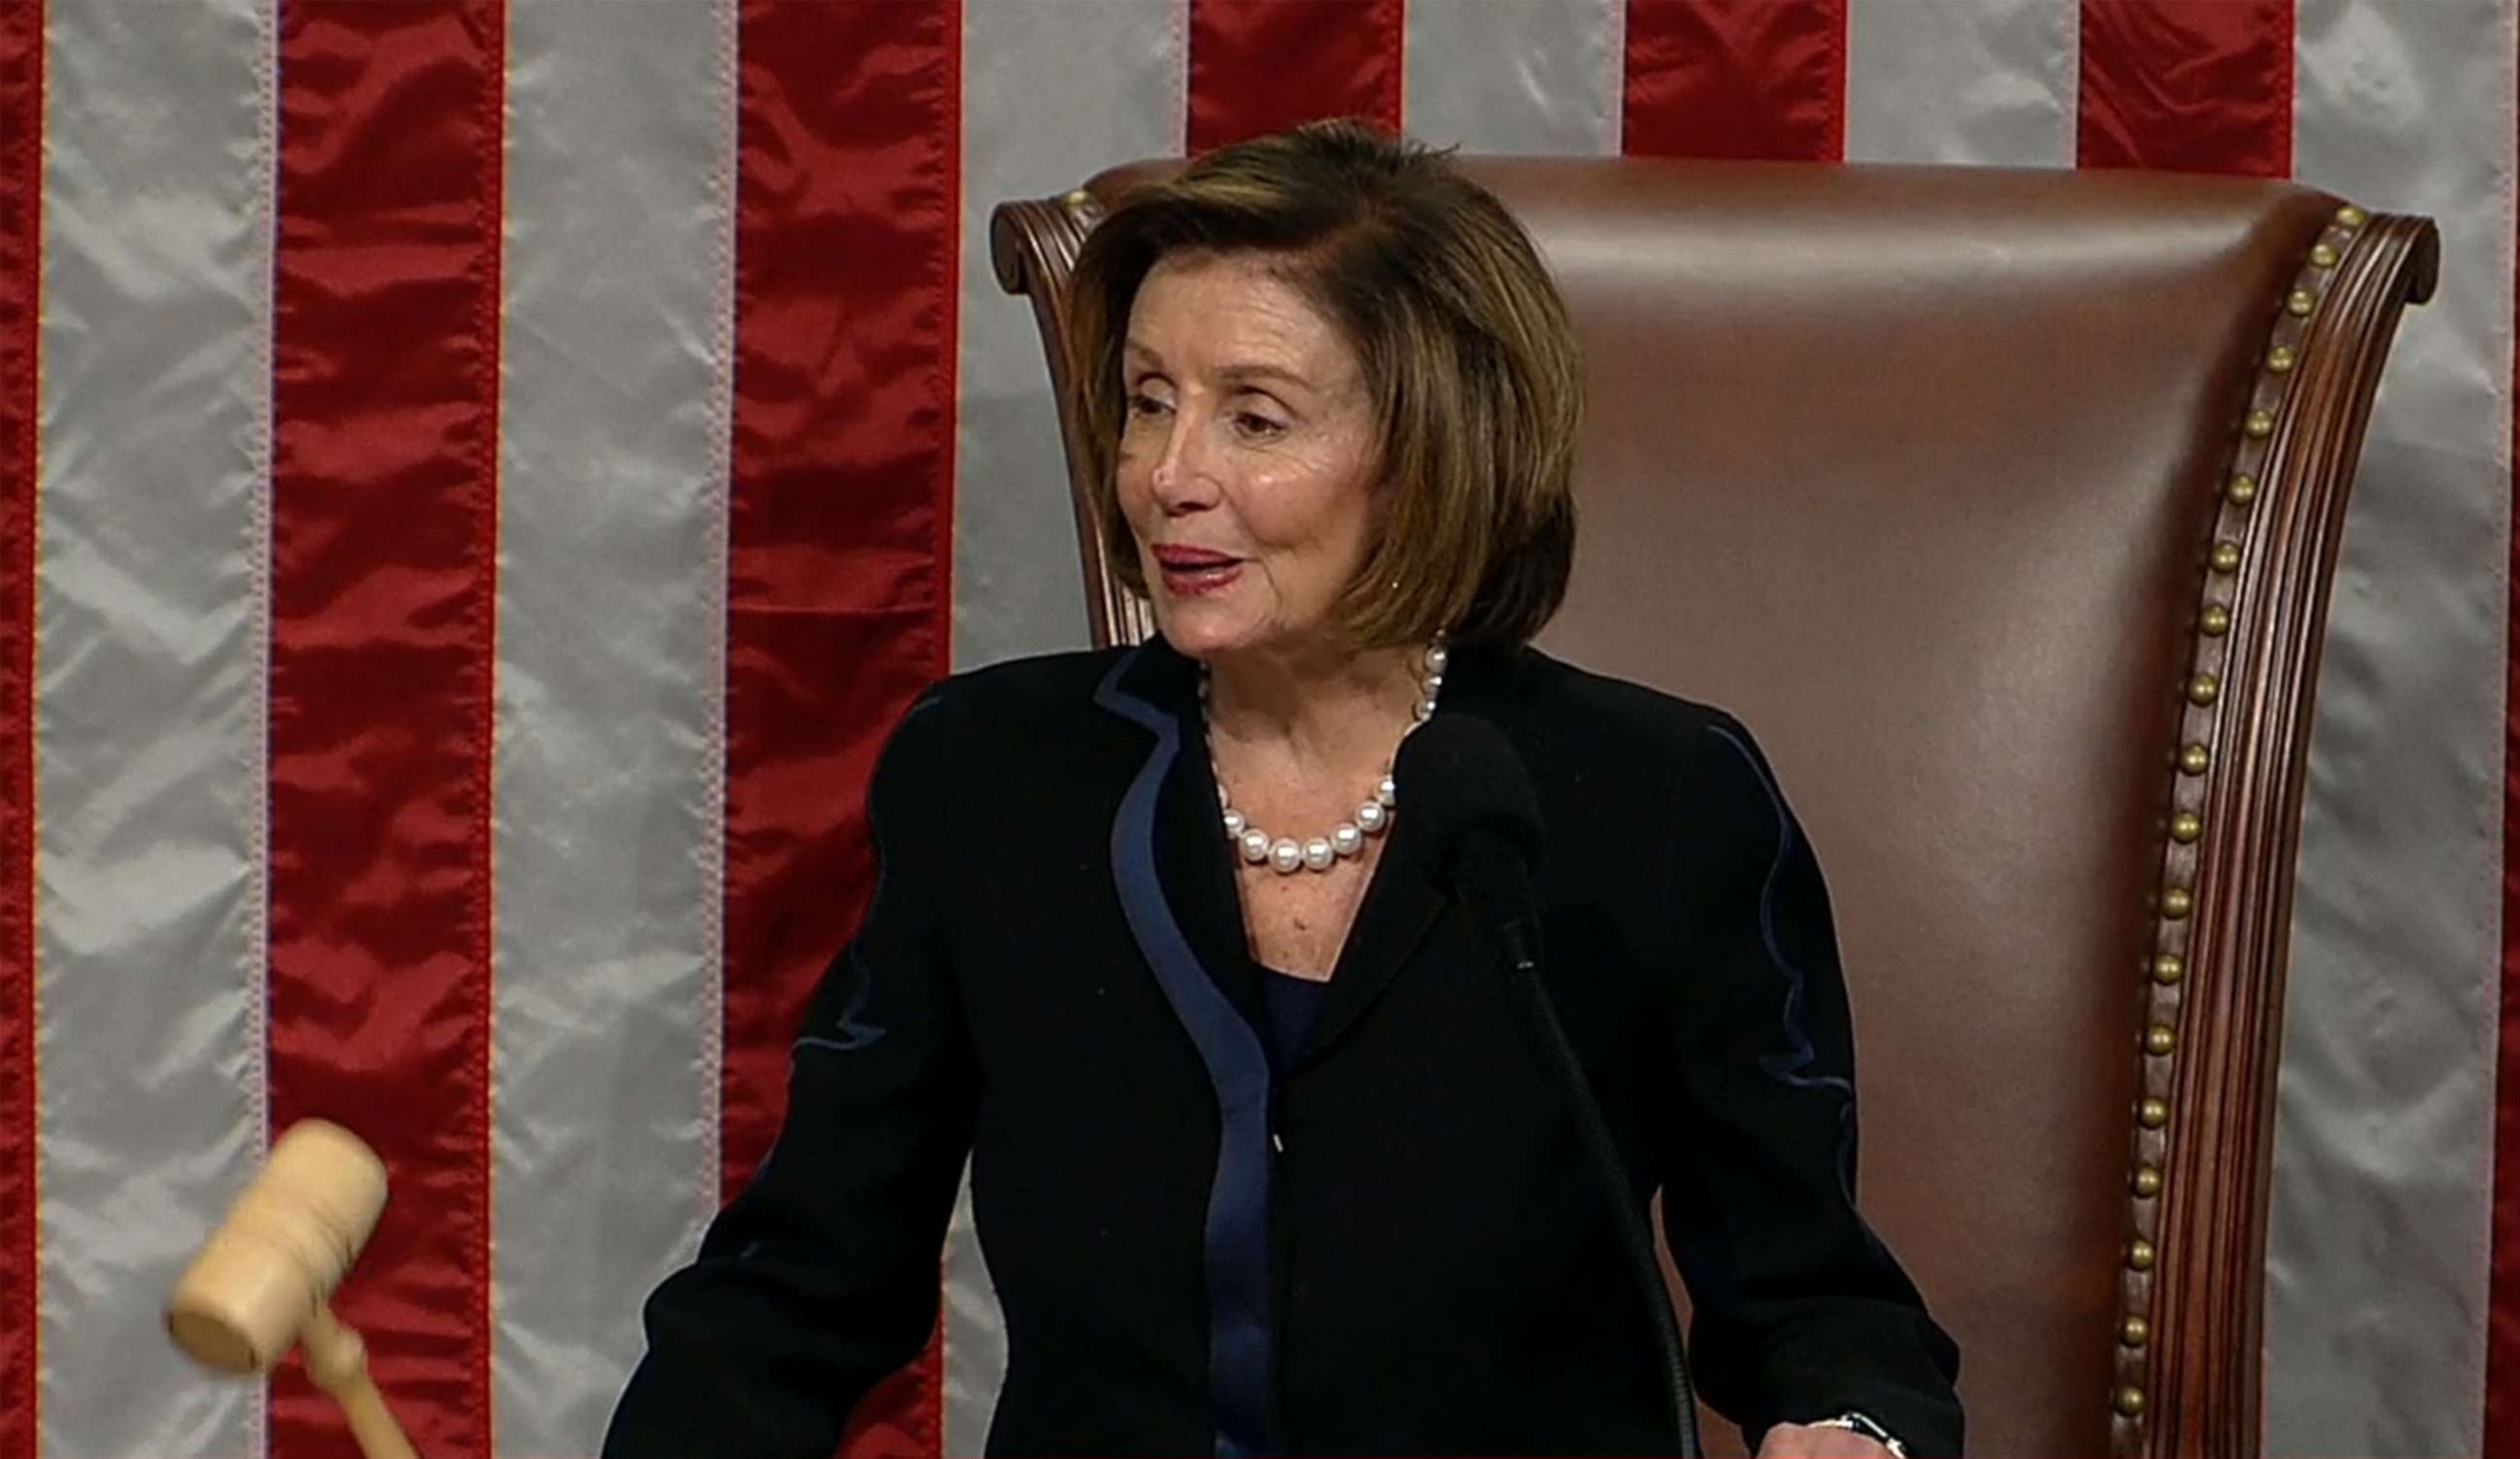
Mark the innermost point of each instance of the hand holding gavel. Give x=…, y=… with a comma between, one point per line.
x=261, y=1280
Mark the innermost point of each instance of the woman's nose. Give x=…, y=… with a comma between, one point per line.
x=1182, y=480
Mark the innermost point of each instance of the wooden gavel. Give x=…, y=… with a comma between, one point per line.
x=260, y=1283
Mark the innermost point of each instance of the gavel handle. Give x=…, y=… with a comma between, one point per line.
x=338, y=1362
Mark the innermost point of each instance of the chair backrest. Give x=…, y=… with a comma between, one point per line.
x=2003, y=507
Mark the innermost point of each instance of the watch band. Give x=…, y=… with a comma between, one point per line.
x=1863, y=1423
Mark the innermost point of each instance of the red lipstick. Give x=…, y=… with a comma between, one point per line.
x=1193, y=571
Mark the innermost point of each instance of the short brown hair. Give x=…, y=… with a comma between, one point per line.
x=1462, y=336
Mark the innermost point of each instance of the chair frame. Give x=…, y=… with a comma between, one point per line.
x=2187, y=1372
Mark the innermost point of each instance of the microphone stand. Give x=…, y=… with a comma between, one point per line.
x=1517, y=948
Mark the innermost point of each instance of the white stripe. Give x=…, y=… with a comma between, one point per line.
x=1515, y=76
x=1117, y=90
x=975, y=1335
x=2376, y=1305
x=149, y=744
x=617, y=364
x=1963, y=81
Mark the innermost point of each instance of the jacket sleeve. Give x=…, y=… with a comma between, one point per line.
x=1800, y=1312
x=820, y=1279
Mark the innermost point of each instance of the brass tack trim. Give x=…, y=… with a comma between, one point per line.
x=2168, y=969
x=2186, y=827
x=2215, y=620
x=2195, y=759
x=2261, y=425
x=2240, y=490
x=2300, y=302
x=2322, y=255
x=2134, y=1331
x=2140, y=1254
x=2177, y=903
x=2203, y=690
x=2152, y=1114
x=2147, y=1181
x=2281, y=359
x=1077, y=199
x=2227, y=557
x=2130, y=1402
x=2160, y=1040
x=2350, y=217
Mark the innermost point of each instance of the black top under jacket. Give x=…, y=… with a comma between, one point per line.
x=1386, y=1240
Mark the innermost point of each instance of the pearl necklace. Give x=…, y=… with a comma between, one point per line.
x=1286, y=855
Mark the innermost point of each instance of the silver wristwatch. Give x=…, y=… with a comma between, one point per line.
x=1862, y=1423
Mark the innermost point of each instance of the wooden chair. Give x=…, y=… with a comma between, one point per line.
x=2005, y=506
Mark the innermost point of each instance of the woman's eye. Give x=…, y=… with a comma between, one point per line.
x=1146, y=406
x=1251, y=422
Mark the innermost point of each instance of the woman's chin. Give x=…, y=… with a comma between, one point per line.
x=1192, y=643
x=1203, y=630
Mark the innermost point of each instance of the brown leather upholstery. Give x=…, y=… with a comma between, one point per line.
x=1923, y=473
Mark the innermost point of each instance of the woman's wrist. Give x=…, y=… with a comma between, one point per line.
x=1863, y=1423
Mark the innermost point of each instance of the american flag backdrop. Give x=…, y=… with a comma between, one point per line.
x=481, y=481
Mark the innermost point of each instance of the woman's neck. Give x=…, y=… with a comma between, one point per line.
x=1325, y=710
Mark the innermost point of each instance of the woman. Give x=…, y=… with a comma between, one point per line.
x=1259, y=1152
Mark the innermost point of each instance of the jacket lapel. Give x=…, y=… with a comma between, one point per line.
x=1407, y=895
x=1194, y=867
x=1197, y=870
x=1149, y=858
x=1402, y=904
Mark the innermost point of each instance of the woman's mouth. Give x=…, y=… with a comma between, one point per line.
x=1190, y=573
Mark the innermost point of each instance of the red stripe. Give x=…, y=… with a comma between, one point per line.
x=22, y=186
x=2502, y=1296
x=2188, y=86
x=385, y=438
x=847, y=198
x=1735, y=78
x=1262, y=65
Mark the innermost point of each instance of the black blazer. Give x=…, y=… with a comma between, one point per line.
x=1384, y=1241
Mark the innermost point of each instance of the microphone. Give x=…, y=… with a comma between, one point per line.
x=1464, y=781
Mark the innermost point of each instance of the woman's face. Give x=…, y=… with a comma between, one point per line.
x=1245, y=467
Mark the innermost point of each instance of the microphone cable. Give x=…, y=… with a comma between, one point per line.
x=1463, y=775
x=1520, y=958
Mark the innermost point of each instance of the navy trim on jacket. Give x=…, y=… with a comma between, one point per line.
x=1238, y=1066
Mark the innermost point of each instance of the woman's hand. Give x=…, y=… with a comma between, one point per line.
x=1805, y=1441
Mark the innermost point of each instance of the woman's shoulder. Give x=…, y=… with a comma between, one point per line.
x=1005, y=716
x=1708, y=787
x=1601, y=715
x=1700, y=755
x=1011, y=692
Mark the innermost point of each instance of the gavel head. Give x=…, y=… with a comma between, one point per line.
x=273, y=1263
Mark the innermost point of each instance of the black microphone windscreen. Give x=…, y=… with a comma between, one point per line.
x=1458, y=774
